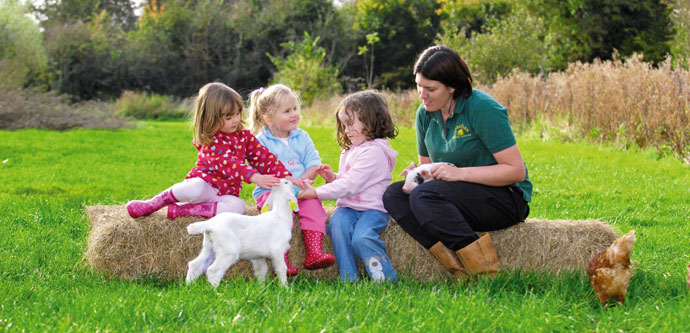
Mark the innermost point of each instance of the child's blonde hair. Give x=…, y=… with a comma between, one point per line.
x=215, y=100
x=265, y=101
x=372, y=110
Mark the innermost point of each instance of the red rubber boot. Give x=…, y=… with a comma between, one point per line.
x=205, y=209
x=314, y=258
x=137, y=208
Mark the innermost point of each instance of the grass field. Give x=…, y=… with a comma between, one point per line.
x=47, y=177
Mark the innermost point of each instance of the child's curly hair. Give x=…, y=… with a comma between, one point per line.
x=215, y=100
x=372, y=110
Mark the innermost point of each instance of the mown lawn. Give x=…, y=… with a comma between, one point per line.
x=47, y=177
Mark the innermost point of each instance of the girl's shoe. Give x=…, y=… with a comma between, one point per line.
x=206, y=209
x=314, y=258
x=137, y=208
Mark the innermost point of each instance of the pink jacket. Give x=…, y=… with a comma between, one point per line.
x=364, y=173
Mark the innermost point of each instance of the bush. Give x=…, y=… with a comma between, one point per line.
x=304, y=70
x=517, y=41
x=141, y=105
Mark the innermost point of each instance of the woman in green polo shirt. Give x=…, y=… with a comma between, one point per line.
x=484, y=188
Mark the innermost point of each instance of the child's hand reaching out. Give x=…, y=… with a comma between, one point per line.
x=301, y=183
x=309, y=192
x=325, y=171
x=264, y=181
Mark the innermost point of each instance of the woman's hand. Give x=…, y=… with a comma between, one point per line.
x=309, y=192
x=264, y=181
x=447, y=172
x=325, y=171
x=408, y=169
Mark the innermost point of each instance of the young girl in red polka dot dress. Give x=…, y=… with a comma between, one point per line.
x=214, y=184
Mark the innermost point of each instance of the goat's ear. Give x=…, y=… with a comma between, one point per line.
x=293, y=202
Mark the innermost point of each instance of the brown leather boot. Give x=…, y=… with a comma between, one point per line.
x=449, y=260
x=480, y=256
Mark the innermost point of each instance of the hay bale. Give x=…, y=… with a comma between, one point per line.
x=155, y=246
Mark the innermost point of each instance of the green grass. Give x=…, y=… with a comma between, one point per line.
x=44, y=285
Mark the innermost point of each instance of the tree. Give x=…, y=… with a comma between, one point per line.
x=22, y=56
x=52, y=12
x=680, y=47
x=372, y=39
x=264, y=26
x=86, y=58
x=404, y=29
x=592, y=29
x=470, y=17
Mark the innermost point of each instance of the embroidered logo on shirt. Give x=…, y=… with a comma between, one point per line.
x=461, y=131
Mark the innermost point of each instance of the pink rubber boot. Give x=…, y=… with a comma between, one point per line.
x=291, y=270
x=137, y=208
x=314, y=258
x=205, y=209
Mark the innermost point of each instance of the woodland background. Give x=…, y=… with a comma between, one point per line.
x=100, y=48
x=606, y=70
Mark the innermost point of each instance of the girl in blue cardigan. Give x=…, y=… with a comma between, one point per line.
x=274, y=115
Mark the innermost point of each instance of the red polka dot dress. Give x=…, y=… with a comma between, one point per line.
x=222, y=163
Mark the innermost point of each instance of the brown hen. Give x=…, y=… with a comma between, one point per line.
x=609, y=271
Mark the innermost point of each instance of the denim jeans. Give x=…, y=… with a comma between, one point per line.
x=358, y=233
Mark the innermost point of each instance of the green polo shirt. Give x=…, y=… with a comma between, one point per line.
x=477, y=129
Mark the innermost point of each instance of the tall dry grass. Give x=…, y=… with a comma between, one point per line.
x=627, y=101
x=402, y=105
x=26, y=108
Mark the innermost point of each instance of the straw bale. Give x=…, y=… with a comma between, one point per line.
x=155, y=246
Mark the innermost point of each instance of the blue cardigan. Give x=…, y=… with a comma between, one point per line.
x=297, y=158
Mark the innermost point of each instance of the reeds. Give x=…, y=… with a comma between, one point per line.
x=402, y=105
x=624, y=101
x=628, y=102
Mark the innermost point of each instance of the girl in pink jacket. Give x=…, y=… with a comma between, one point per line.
x=364, y=172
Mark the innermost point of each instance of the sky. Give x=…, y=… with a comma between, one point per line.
x=138, y=5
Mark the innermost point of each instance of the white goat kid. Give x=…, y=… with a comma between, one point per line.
x=229, y=237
